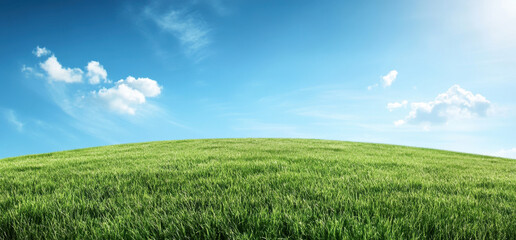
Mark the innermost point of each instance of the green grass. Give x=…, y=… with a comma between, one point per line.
x=257, y=188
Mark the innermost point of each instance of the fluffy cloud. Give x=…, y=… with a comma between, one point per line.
x=123, y=97
x=147, y=86
x=388, y=79
x=454, y=103
x=39, y=52
x=394, y=105
x=127, y=94
x=96, y=72
x=56, y=72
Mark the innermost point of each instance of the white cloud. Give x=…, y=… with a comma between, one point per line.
x=394, y=105
x=389, y=78
x=39, y=52
x=506, y=153
x=96, y=72
x=31, y=71
x=27, y=69
x=122, y=98
x=128, y=94
x=399, y=122
x=372, y=86
x=456, y=103
x=56, y=72
x=188, y=28
x=147, y=86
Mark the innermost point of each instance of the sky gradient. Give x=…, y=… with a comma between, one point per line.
x=437, y=74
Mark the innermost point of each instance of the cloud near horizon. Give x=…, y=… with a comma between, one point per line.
x=506, y=153
x=456, y=103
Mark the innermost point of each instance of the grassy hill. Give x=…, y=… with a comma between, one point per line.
x=257, y=188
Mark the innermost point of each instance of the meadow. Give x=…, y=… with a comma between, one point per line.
x=257, y=189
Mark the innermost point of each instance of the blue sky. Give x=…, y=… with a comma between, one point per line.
x=437, y=74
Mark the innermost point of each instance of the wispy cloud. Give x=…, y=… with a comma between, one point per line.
x=219, y=7
x=29, y=71
x=186, y=26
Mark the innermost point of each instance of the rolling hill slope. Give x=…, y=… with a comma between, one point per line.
x=257, y=188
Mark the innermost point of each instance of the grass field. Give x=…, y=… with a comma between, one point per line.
x=257, y=188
